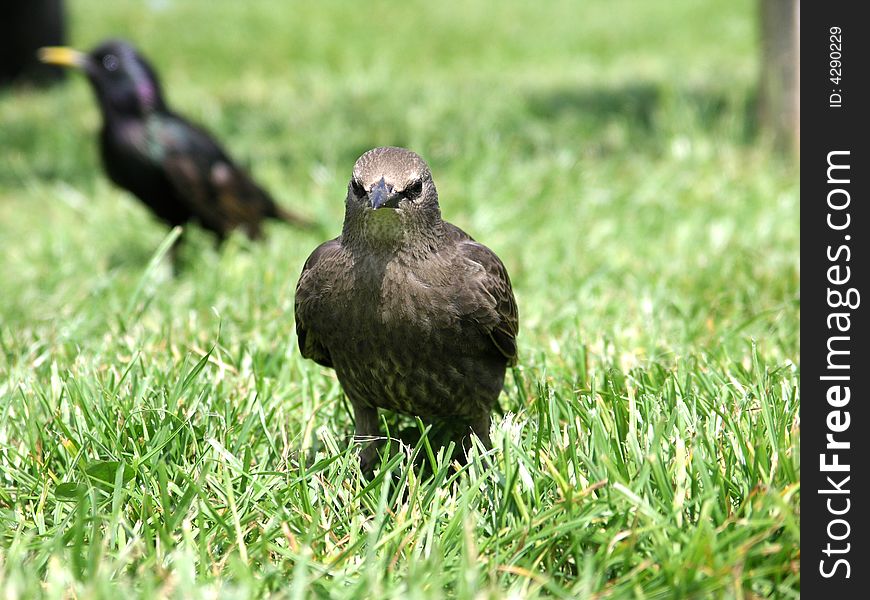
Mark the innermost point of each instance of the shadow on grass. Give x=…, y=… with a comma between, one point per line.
x=650, y=108
x=635, y=103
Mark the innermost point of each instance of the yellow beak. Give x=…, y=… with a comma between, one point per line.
x=60, y=55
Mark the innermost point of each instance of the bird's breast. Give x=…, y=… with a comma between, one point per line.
x=397, y=340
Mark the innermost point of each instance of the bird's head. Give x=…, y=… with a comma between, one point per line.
x=123, y=80
x=391, y=193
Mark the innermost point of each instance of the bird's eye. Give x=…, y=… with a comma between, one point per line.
x=412, y=191
x=110, y=62
x=358, y=189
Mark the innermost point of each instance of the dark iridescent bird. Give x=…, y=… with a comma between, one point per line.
x=176, y=168
x=411, y=312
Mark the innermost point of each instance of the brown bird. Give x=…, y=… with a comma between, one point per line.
x=176, y=168
x=411, y=312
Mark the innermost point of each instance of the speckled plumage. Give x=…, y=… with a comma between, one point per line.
x=411, y=312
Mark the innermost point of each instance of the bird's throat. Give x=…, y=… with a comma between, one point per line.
x=383, y=228
x=389, y=231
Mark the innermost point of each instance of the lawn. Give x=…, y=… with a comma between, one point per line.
x=162, y=436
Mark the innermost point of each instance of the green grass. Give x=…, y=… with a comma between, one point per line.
x=149, y=425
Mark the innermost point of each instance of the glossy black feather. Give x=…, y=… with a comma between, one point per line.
x=174, y=167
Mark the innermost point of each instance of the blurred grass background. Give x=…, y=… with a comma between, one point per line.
x=607, y=151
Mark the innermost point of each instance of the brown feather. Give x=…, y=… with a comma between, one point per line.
x=411, y=312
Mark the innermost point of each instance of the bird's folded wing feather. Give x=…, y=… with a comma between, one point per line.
x=206, y=180
x=491, y=303
x=308, y=290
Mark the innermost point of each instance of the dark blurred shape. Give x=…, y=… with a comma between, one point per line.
x=779, y=97
x=176, y=168
x=25, y=26
x=635, y=102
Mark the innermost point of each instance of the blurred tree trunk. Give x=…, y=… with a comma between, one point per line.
x=779, y=92
x=25, y=26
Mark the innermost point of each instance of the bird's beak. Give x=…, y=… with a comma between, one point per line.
x=381, y=195
x=63, y=56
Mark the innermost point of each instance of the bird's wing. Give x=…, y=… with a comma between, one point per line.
x=489, y=299
x=308, y=291
x=206, y=180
